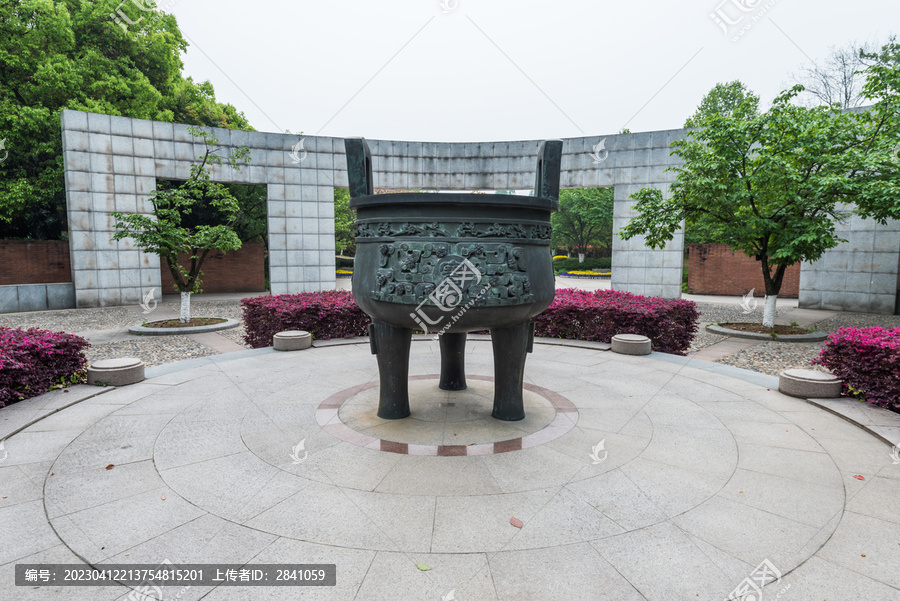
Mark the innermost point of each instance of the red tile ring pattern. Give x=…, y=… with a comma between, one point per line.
x=328, y=418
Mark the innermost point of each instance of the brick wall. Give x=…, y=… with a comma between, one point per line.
x=34, y=262
x=240, y=270
x=716, y=269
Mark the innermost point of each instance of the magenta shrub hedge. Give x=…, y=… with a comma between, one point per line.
x=868, y=361
x=325, y=315
x=574, y=314
x=33, y=360
x=599, y=315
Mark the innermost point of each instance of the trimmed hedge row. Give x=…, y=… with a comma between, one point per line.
x=574, y=314
x=32, y=360
x=599, y=315
x=325, y=315
x=868, y=361
x=573, y=264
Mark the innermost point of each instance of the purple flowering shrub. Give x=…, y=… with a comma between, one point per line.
x=868, y=361
x=574, y=314
x=32, y=360
x=599, y=315
x=325, y=315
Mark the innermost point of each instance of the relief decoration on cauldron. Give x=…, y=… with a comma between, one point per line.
x=448, y=274
x=386, y=229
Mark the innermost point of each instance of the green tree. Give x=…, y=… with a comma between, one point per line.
x=165, y=233
x=773, y=185
x=722, y=99
x=584, y=219
x=344, y=241
x=725, y=99
x=71, y=54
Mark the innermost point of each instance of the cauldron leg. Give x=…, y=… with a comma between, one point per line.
x=453, y=361
x=391, y=346
x=510, y=347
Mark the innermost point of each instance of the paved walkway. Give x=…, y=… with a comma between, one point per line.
x=704, y=473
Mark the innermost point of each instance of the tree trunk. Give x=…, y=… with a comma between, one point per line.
x=185, y=307
x=773, y=287
x=769, y=313
x=581, y=257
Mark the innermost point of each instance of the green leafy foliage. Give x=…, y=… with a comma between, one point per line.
x=71, y=54
x=343, y=223
x=773, y=185
x=584, y=218
x=725, y=99
x=166, y=232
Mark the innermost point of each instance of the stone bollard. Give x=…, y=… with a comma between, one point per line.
x=631, y=344
x=292, y=340
x=116, y=372
x=809, y=384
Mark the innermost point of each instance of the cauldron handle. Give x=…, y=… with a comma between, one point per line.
x=546, y=183
x=359, y=167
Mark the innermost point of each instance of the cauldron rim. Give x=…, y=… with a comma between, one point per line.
x=454, y=198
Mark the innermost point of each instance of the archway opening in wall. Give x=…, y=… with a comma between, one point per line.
x=582, y=237
x=242, y=270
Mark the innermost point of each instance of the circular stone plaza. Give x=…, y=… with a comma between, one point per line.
x=650, y=477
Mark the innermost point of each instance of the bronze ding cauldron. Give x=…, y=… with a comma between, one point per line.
x=451, y=264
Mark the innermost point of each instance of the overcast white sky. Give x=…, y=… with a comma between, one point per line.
x=503, y=69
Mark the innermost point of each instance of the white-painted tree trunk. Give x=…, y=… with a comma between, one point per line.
x=185, y=307
x=769, y=313
x=581, y=257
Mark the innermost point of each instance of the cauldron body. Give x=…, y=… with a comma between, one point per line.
x=451, y=264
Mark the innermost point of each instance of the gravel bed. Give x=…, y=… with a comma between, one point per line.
x=156, y=350
x=859, y=320
x=235, y=335
x=713, y=313
x=75, y=320
x=703, y=339
x=774, y=357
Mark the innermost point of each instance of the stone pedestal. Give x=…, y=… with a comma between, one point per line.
x=809, y=384
x=292, y=340
x=116, y=372
x=631, y=344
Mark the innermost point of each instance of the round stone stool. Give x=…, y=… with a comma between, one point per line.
x=292, y=340
x=630, y=344
x=809, y=384
x=116, y=372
